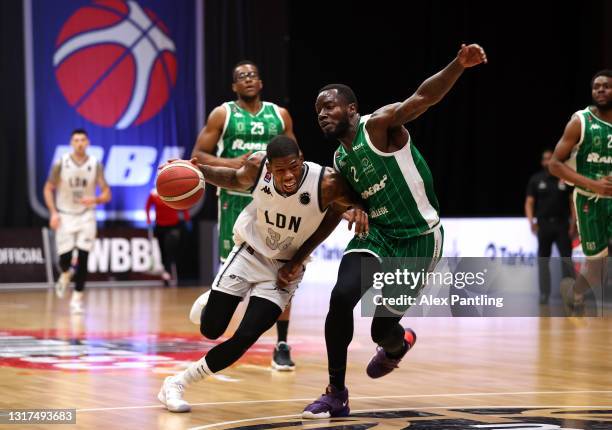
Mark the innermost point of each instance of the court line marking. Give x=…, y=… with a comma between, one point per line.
x=407, y=396
x=314, y=421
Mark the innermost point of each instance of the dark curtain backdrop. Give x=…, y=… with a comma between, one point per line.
x=244, y=30
x=482, y=142
x=484, y=139
x=15, y=208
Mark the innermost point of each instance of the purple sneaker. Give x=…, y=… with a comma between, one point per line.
x=333, y=403
x=381, y=365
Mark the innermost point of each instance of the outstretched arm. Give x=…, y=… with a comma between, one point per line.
x=206, y=143
x=563, y=150
x=240, y=179
x=432, y=90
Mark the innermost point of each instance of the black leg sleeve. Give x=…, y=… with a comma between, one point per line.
x=339, y=322
x=260, y=316
x=64, y=261
x=80, y=275
x=217, y=314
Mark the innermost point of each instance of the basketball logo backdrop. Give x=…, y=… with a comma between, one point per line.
x=130, y=73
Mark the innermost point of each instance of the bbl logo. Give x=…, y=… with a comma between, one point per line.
x=115, y=63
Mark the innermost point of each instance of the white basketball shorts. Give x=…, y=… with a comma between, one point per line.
x=245, y=270
x=76, y=231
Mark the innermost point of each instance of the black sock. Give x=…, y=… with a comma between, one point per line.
x=282, y=327
x=336, y=378
x=397, y=352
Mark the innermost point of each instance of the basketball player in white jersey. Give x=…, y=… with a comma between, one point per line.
x=70, y=195
x=290, y=200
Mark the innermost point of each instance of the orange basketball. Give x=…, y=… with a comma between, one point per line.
x=180, y=184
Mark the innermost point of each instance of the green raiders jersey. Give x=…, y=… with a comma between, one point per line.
x=244, y=131
x=397, y=187
x=592, y=156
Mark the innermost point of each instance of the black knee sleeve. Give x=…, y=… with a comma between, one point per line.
x=217, y=314
x=347, y=291
x=343, y=300
x=65, y=260
x=260, y=316
x=81, y=272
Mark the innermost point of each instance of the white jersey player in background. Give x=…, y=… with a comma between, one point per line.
x=291, y=198
x=70, y=195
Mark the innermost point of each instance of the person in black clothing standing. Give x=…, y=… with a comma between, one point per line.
x=551, y=215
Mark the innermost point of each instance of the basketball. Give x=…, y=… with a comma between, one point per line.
x=180, y=184
x=207, y=226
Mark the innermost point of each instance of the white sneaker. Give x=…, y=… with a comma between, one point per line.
x=62, y=283
x=76, y=303
x=171, y=395
x=196, y=309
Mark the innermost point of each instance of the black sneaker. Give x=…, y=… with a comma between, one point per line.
x=281, y=359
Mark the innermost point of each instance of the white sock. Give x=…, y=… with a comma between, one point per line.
x=194, y=373
x=77, y=296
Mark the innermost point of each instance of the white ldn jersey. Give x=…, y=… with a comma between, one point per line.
x=276, y=225
x=74, y=181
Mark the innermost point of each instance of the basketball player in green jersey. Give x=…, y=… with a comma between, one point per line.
x=379, y=160
x=583, y=157
x=233, y=131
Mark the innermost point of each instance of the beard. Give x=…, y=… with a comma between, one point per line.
x=339, y=131
x=604, y=106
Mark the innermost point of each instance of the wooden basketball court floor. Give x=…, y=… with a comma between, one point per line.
x=463, y=373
